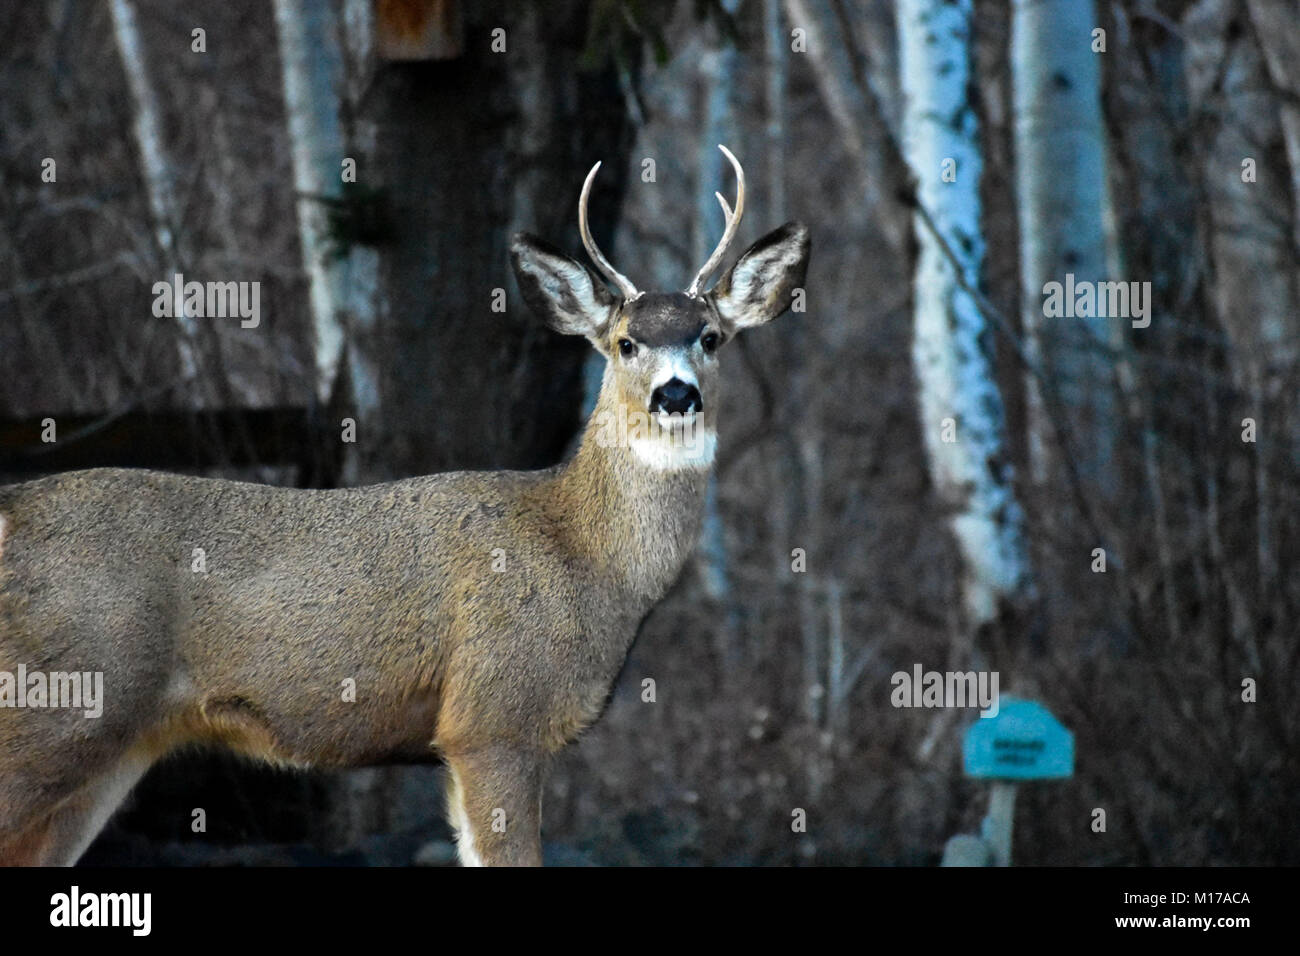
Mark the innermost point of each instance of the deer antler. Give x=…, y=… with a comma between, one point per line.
x=729, y=233
x=624, y=284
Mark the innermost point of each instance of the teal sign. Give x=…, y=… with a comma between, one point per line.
x=1023, y=742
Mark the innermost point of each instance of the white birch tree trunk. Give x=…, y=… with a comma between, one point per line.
x=156, y=167
x=968, y=459
x=1060, y=175
x=363, y=300
x=341, y=288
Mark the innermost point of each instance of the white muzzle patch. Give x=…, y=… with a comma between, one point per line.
x=680, y=441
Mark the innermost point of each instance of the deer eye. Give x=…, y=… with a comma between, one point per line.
x=709, y=341
x=626, y=348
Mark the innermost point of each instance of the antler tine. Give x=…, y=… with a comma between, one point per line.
x=624, y=284
x=732, y=222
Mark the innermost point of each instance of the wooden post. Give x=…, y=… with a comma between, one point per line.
x=996, y=828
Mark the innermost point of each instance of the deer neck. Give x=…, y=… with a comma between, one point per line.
x=633, y=508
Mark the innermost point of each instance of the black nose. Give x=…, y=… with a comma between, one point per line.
x=676, y=398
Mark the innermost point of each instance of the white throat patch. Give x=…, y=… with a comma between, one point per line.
x=672, y=451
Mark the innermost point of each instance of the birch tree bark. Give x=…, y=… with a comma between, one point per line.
x=363, y=301
x=156, y=168
x=961, y=408
x=1060, y=172
x=342, y=286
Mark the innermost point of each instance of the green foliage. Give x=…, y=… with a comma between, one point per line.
x=361, y=216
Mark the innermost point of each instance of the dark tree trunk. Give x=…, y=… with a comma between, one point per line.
x=470, y=150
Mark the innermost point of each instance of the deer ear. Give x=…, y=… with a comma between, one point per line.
x=761, y=284
x=560, y=290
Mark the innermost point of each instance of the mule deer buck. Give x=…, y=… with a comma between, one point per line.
x=483, y=616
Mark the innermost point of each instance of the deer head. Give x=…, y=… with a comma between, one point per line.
x=662, y=348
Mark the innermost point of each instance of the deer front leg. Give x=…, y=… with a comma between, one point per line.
x=494, y=803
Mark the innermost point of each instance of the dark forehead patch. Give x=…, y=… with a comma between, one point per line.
x=672, y=318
